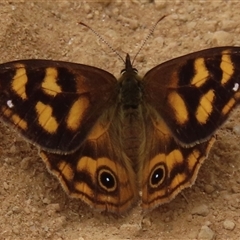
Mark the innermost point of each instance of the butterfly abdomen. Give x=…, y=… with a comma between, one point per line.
x=130, y=101
x=132, y=133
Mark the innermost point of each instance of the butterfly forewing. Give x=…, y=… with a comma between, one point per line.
x=54, y=104
x=194, y=94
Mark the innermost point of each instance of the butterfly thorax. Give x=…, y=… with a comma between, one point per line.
x=131, y=88
x=130, y=101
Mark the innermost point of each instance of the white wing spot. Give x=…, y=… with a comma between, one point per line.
x=10, y=104
x=236, y=87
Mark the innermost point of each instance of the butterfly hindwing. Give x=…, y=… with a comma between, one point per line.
x=54, y=104
x=167, y=167
x=194, y=94
x=99, y=172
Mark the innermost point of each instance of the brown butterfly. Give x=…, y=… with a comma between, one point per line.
x=111, y=142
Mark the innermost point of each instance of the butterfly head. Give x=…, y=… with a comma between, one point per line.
x=128, y=65
x=131, y=86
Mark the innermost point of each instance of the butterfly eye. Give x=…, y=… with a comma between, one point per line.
x=107, y=180
x=124, y=70
x=135, y=70
x=157, y=176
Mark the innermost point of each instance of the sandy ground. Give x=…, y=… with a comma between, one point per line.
x=32, y=202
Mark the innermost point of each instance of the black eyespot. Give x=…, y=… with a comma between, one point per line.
x=157, y=176
x=107, y=180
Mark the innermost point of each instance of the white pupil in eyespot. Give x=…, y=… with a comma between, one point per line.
x=236, y=87
x=10, y=104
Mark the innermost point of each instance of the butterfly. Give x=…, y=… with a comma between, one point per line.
x=114, y=142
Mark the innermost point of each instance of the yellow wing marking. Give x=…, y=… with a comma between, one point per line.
x=228, y=107
x=49, y=84
x=226, y=66
x=19, y=81
x=179, y=178
x=205, y=107
x=201, y=74
x=192, y=159
x=14, y=118
x=66, y=170
x=173, y=158
x=76, y=113
x=179, y=107
x=45, y=118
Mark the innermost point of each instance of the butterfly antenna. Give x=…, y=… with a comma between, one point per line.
x=103, y=40
x=148, y=36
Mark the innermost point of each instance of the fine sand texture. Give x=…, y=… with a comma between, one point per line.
x=33, y=204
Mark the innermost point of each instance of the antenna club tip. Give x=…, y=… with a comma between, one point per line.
x=82, y=23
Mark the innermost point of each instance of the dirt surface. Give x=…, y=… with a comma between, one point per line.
x=32, y=202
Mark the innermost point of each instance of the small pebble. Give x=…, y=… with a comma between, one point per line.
x=16, y=230
x=235, y=188
x=46, y=201
x=9, y=213
x=53, y=208
x=209, y=188
x=16, y=209
x=221, y=38
x=211, y=25
x=86, y=8
x=5, y=186
x=27, y=210
x=158, y=41
x=146, y=223
x=236, y=129
x=201, y=210
x=25, y=163
x=13, y=149
x=225, y=195
x=207, y=223
x=206, y=233
x=89, y=16
x=191, y=25
x=228, y=25
x=59, y=222
x=228, y=224
x=33, y=210
x=160, y=4
x=234, y=201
